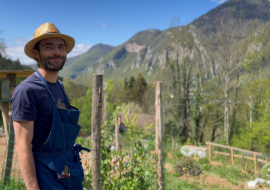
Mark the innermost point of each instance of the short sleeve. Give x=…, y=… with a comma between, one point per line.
x=23, y=104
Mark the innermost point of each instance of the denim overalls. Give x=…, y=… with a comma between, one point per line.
x=59, y=152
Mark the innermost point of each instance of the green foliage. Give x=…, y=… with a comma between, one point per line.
x=204, y=164
x=84, y=103
x=231, y=173
x=74, y=91
x=75, y=65
x=2, y=46
x=131, y=173
x=265, y=172
x=8, y=64
x=13, y=184
x=134, y=89
x=173, y=182
x=196, y=112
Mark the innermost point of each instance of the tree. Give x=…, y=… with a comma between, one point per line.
x=74, y=91
x=139, y=89
x=254, y=60
x=228, y=36
x=84, y=103
x=178, y=81
x=2, y=46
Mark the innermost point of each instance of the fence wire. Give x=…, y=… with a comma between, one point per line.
x=11, y=177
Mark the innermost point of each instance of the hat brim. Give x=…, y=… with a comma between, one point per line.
x=70, y=42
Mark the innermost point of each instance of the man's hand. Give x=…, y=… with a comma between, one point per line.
x=24, y=131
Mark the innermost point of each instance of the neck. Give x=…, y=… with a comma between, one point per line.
x=49, y=76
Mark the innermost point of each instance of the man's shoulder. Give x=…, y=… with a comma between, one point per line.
x=30, y=83
x=31, y=86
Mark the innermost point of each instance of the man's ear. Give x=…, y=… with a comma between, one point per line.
x=35, y=53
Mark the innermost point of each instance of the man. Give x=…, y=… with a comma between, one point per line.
x=45, y=124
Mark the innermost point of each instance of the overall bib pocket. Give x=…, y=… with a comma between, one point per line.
x=64, y=181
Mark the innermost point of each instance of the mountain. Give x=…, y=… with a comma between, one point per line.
x=147, y=51
x=247, y=10
x=81, y=63
x=140, y=54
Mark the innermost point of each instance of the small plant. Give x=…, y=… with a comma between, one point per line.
x=187, y=166
x=265, y=172
x=13, y=184
x=204, y=163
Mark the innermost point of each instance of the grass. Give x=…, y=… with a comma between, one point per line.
x=13, y=185
x=172, y=183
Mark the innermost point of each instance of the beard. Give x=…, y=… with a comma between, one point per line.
x=45, y=61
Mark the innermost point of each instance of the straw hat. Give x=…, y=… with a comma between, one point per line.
x=47, y=30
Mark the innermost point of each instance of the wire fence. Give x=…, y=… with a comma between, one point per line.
x=10, y=174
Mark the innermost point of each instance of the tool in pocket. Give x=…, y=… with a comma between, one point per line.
x=65, y=173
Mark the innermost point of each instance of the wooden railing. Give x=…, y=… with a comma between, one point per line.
x=232, y=155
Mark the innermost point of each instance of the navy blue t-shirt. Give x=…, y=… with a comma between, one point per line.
x=31, y=101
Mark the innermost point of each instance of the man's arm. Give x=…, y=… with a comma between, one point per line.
x=24, y=131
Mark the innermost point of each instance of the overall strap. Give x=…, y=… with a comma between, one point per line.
x=45, y=83
x=66, y=98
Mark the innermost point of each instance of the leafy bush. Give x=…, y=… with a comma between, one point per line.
x=127, y=170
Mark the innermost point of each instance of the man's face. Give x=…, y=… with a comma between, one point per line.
x=52, y=54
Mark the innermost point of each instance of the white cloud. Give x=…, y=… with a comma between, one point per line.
x=104, y=25
x=79, y=49
x=20, y=40
x=15, y=52
x=219, y=1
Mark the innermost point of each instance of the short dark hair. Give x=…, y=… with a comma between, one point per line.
x=36, y=47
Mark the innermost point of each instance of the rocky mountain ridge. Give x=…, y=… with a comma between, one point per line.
x=147, y=51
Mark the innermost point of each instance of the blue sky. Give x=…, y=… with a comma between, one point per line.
x=91, y=22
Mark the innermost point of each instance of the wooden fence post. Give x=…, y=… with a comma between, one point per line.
x=116, y=133
x=11, y=136
x=96, y=129
x=159, y=131
x=232, y=156
x=209, y=151
x=104, y=108
x=255, y=163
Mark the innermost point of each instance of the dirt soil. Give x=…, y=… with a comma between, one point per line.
x=209, y=181
x=214, y=181
x=2, y=152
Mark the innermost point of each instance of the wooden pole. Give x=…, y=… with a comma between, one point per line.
x=116, y=133
x=96, y=129
x=232, y=156
x=255, y=163
x=209, y=151
x=11, y=137
x=104, y=109
x=159, y=131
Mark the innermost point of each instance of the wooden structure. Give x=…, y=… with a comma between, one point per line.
x=96, y=129
x=117, y=121
x=7, y=119
x=232, y=155
x=12, y=74
x=159, y=134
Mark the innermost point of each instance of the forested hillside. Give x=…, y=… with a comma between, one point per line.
x=8, y=64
